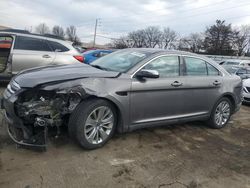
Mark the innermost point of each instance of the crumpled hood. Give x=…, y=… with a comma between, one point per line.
x=42, y=75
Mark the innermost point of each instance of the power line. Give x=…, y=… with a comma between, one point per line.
x=187, y=10
x=168, y=7
x=187, y=17
x=234, y=17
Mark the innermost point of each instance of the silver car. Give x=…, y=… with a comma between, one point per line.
x=26, y=50
x=246, y=91
x=123, y=91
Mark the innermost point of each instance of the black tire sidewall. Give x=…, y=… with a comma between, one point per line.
x=83, y=112
x=212, y=122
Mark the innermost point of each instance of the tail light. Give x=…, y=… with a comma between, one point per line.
x=79, y=58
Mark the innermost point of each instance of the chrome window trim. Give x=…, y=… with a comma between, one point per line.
x=221, y=73
x=163, y=55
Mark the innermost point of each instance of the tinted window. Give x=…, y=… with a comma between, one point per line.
x=232, y=63
x=212, y=71
x=242, y=71
x=29, y=43
x=166, y=66
x=57, y=46
x=104, y=53
x=195, y=67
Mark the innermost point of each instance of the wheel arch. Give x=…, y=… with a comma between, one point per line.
x=231, y=98
x=119, y=110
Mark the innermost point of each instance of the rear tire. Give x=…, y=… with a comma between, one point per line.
x=93, y=123
x=221, y=113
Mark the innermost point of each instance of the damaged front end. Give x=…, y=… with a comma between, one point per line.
x=36, y=110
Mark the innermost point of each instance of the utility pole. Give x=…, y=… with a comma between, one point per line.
x=96, y=24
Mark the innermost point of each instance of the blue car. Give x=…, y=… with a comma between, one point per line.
x=92, y=55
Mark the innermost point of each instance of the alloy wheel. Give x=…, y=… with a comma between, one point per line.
x=222, y=113
x=99, y=125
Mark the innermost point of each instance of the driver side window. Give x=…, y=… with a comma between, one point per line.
x=167, y=66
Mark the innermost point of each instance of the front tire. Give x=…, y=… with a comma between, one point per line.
x=221, y=113
x=93, y=123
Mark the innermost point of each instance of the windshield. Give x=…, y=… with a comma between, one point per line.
x=120, y=61
x=231, y=69
x=232, y=63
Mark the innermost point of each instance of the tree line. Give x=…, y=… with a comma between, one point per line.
x=218, y=39
x=69, y=33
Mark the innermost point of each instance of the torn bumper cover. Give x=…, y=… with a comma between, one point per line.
x=19, y=133
x=29, y=112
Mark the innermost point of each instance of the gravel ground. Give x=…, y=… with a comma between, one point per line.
x=190, y=155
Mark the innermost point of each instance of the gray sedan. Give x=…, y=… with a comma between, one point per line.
x=126, y=90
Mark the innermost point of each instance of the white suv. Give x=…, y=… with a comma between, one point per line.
x=26, y=50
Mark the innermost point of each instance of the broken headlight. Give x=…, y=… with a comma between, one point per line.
x=13, y=86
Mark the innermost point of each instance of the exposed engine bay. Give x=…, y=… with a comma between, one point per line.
x=45, y=107
x=41, y=109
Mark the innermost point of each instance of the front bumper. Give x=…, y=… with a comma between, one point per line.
x=17, y=131
x=246, y=97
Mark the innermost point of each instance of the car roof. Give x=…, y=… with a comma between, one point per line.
x=156, y=50
x=28, y=34
x=163, y=51
x=15, y=32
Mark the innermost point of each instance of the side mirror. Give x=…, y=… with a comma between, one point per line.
x=145, y=73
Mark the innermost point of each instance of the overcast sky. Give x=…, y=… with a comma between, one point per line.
x=118, y=17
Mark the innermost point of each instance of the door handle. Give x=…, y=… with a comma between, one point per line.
x=46, y=56
x=176, y=84
x=216, y=83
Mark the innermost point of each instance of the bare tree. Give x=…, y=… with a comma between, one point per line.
x=137, y=39
x=183, y=44
x=42, y=29
x=121, y=43
x=168, y=37
x=58, y=31
x=194, y=42
x=242, y=39
x=71, y=34
x=152, y=36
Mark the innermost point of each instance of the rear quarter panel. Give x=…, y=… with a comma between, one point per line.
x=232, y=85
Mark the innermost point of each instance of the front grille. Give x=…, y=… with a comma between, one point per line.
x=247, y=99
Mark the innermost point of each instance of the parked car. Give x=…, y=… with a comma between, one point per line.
x=123, y=91
x=243, y=72
x=91, y=55
x=235, y=62
x=246, y=91
x=32, y=50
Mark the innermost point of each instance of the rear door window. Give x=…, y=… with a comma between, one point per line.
x=56, y=46
x=199, y=67
x=242, y=71
x=212, y=71
x=29, y=43
x=195, y=67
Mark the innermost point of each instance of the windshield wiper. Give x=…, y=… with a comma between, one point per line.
x=99, y=67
